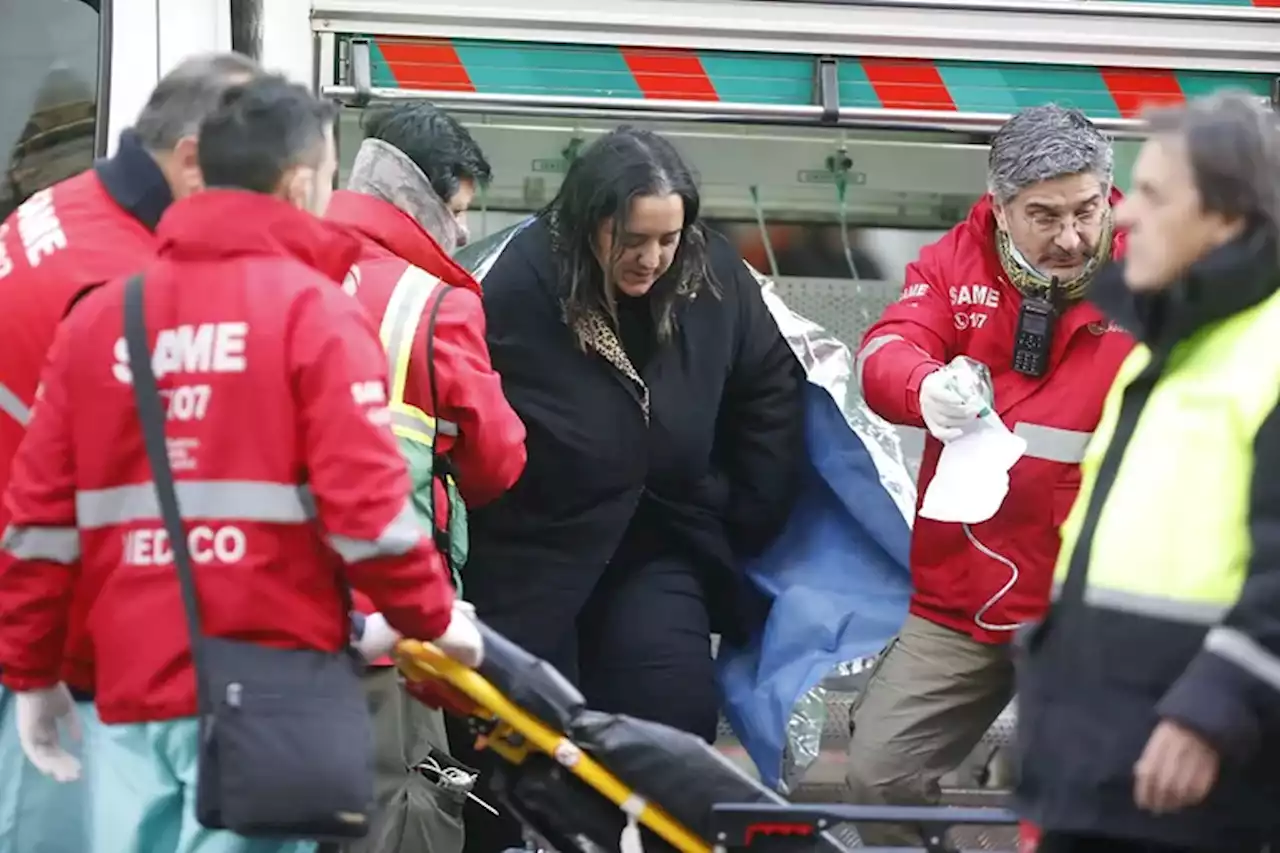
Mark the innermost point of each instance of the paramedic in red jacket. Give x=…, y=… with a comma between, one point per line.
x=77, y=234
x=397, y=212
x=98, y=225
x=949, y=673
x=286, y=470
x=66, y=239
x=403, y=218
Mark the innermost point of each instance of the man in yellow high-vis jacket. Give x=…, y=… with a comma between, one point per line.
x=1150, y=695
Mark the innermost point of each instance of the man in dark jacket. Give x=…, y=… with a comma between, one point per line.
x=1150, y=695
x=60, y=243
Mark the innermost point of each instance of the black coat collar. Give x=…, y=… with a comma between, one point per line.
x=134, y=180
x=1230, y=279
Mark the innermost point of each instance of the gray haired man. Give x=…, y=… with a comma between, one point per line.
x=991, y=314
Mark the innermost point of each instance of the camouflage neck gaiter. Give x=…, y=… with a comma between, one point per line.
x=1031, y=282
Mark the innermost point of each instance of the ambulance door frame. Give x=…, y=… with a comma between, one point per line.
x=357, y=89
x=324, y=76
x=147, y=38
x=1068, y=32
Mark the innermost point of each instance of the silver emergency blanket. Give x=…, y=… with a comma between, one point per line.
x=829, y=365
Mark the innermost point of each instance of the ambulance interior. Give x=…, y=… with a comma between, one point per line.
x=775, y=191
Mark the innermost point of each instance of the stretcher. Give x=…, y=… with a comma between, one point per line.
x=581, y=781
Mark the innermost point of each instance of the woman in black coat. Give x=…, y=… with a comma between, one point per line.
x=665, y=440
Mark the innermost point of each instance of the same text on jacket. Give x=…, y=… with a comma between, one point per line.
x=39, y=230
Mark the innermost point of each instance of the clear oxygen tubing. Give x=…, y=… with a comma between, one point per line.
x=764, y=231
x=838, y=165
x=979, y=617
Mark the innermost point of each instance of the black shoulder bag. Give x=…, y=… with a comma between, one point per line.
x=286, y=743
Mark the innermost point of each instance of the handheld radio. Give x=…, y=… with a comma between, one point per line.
x=1035, y=333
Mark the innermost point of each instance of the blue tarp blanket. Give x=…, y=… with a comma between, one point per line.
x=838, y=580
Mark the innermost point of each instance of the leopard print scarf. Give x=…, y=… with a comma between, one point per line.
x=597, y=332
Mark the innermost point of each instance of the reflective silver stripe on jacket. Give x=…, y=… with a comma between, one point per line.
x=55, y=544
x=1154, y=606
x=1245, y=652
x=240, y=500
x=404, y=314
x=429, y=426
x=221, y=500
x=11, y=404
x=1052, y=443
x=397, y=538
x=872, y=347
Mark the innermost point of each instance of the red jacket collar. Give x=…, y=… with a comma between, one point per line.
x=383, y=224
x=224, y=223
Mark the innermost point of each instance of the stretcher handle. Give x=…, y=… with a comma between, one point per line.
x=418, y=660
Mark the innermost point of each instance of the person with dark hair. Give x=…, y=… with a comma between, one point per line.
x=1149, y=699
x=63, y=241
x=284, y=510
x=666, y=442
x=444, y=153
x=463, y=442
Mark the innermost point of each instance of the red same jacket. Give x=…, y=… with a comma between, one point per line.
x=289, y=477
x=62, y=241
x=988, y=579
x=488, y=452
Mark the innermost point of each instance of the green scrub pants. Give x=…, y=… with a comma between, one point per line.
x=144, y=793
x=37, y=814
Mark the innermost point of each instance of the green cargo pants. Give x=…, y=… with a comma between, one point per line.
x=927, y=703
x=415, y=815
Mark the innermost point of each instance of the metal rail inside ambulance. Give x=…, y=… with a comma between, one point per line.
x=832, y=139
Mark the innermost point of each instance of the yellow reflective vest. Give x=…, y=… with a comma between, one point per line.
x=1171, y=537
x=1167, y=586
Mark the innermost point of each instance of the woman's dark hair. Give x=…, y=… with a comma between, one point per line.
x=434, y=140
x=620, y=166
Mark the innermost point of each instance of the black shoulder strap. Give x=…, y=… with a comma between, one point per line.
x=151, y=415
x=441, y=467
x=441, y=292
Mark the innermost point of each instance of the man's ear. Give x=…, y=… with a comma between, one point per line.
x=185, y=168
x=1002, y=216
x=298, y=185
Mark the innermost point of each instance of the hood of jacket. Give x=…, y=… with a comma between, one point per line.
x=385, y=172
x=380, y=222
x=225, y=223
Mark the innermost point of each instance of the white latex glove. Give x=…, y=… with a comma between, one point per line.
x=43, y=716
x=461, y=640
x=950, y=401
x=378, y=638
